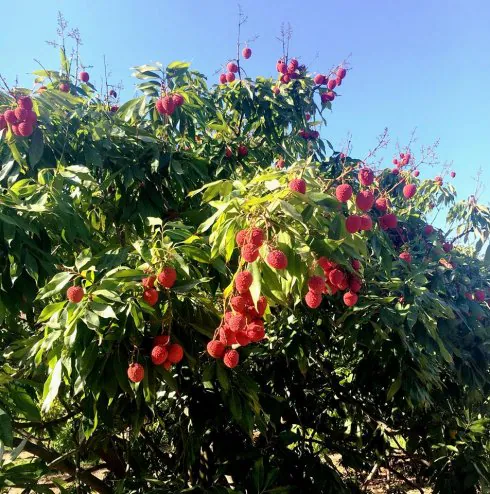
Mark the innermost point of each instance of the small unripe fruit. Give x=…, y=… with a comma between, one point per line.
x=150, y=296
x=406, y=256
x=159, y=354
x=409, y=191
x=319, y=79
x=167, y=277
x=136, y=373
x=313, y=299
x=353, y=223
x=75, y=294
x=230, y=77
x=316, y=284
x=231, y=358
x=247, y=53
x=243, y=281
x=175, y=353
x=64, y=87
x=350, y=298
x=222, y=79
x=232, y=67
x=298, y=185
x=25, y=102
x=83, y=76
x=343, y=192
x=366, y=176
x=365, y=200
x=277, y=259
x=366, y=222
x=250, y=252
x=216, y=349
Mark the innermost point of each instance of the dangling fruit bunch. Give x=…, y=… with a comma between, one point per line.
x=167, y=104
x=22, y=119
x=289, y=70
x=166, y=279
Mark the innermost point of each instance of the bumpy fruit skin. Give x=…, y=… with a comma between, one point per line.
x=222, y=79
x=250, y=252
x=239, y=304
x=261, y=305
x=215, y=348
x=447, y=247
x=166, y=105
x=285, y=78
x=226, y=336
x=64, y=87
x=243, y=281
x=25, y=129
x=232, y=67
x=242, y=151
x=365, y=200
x=326, y=264
x=3, y=123
x=20, y=113
x=356, y=264
x=231, y=358
x=409, y=191
x=277, y=259
x=178, y=99
x=175, y=353
x=31, y=117
x=353, y=223
x=10, y=117
x=167, y=277
x=480, y=295
x=253, y=236
x=406, y=256
x=388, y=221
x=242, y=338
x=148, y=282
x=298, y=185
x=366, y=176
x=319, y=79
x=241, y=237
x=366, y=222
x=355, y=283
x=343, y=192
x=428, y=229
x=316, y=284
x=161, y=339
x=25, y=102
x=246, y=53
x=313, y=299
x=255, y=335
x=350, y=298
x=281, y=67
x=237, y=322
x=136, y=373
x=75, y=294
x=83, y=76
x=159, y=354
x=150, y=296
x=337, y=277
x=15, y=129
x=230, y=77
x=381, y=204
x=341, y=72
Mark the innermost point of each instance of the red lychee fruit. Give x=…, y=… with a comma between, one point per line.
x=64, y=87
x=159, y=354
x=453, y=174
x=232, y=67
x=178, y=99
x=343, y=192
x=338, y=80
x=231, y=358
x=313, y=299
x=167, y=105
x=75, y=294
x=167, y=277
x=326, y=264
x=409, y=191
x=276, y=90
x=324, y=98
x=353, y=223
x=239, y=304
x=416, y=173
x=222, y=79
x=332, y=84
x=261, y=305
x=330, y=289
x=150, y=296
x=428, y=229
x=136, y=373
x=438, y=180
x=356, y=264
x=167, y=365
x=366, y=222
x=241, y=237
x=316, y=284
x=468, y=296
x=250, y=252
x=242, y=338
x=175, y=353
x=246, y=53
x=447, y=247
x=243, y=281
x=20, y=113
x=341, y=72
x=255, y=335
x=381, y=204
x=113, y=93
x=365, y=200
x=149, y=282
x=366, y=176
x=15, y=129
x=161, y=339
x=298, y=185
x=253, y=236
x=280, y=164
x=281, y=67
x=3, y=123
x=337, y=277
x=395, y=171
x=10, y=117
x=319, y=79
x=406, y=256
x=285, y=78
x=395, y=161
x=25, y=129
x=216, y=349
x=31, y=117
x=25, y=102
x=114, y=109
x=228, y=153
x=350, y=298
x=83, y=76
x=388, y=221
x=226, y=336
x=277, y=259
x=230, y=77
x=480, y=295
x=355, y=283
x=294, y=63
x=330, y=95
x=242, y=151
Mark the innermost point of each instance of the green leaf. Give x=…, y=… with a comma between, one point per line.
x=50, y=310
x=51, y=386
x=222, y=376
x=6, y=435
x=394, y=388
x=55, y=285
x=36, y=147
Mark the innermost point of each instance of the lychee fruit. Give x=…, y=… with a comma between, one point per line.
x=277, y=259
x=395, y=171
x=178, y=99
x=242, y=151
x=416, y=173
x=337, y=277
x=242, y=338
x=216, y=349
x=250, y=252
x=366, y=222
x=231, y=358
x=341, y=72
x=447, y=247
x=253, y=236
x=261, y=305
x=241, y=237
x=232, y=67
x=480, y=295
x=159, y=354
x=148, y=282
x=222, y=79
x=230, y=77
x=350, y=298
x=453, y=174
x=313, y=299
x=228, y=153
x=326, y=264
x=406, y=256
x=355, y=283
x=332, y=84
x=113, y=109
x=365, y=200
x=353, y=223
x=294, y=63
x=226, y=336
x=167, y=365
x=3, y=123
x=239, y=304
x=166, y=105
x=136, y=372
x=388, y=221
x=83, y=76
x=409, y=191
x=381, y=204
x=75, y=294
x=316, y=284
x=276, y=90
x=366, y=176
x=428, y=229
x=150, y=296
x=319, y=79
x=20, y=113
x=280, y=164
x=356, y=264
x=25, y=102
x=285, y=78
x=247, y=53
x=438, y=180
x=25, y=129
x=243, y=281
x=161, y=339
x=167, y=277
x=31, y=117
x=113, y=93
x=298, y=185
x=64, y=87
x=343, y=192
x=10, y=117
x=15, y=129
x=175, y=353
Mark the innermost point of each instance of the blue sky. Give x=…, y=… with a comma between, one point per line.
x=422, y=63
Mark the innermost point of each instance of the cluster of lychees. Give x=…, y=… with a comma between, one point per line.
x=232, y=67
x=242, y=151
x=330, y=83
x=167, y=104
x=21, y=120
x=289, y=71
x=166, y=278
x=309, y=134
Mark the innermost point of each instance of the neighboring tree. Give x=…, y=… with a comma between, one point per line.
x=199, y=294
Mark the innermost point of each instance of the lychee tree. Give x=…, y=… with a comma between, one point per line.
x=200, y=294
